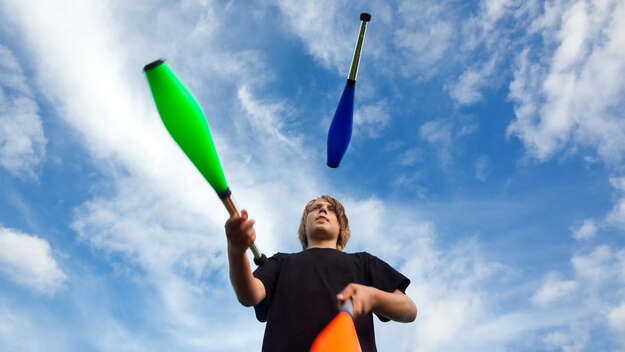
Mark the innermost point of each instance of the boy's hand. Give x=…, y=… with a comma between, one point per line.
x=363, y=298
x=240, y=232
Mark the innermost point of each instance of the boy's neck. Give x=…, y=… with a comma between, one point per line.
x=322, y=244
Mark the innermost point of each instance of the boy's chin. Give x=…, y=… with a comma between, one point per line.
x=320, y=235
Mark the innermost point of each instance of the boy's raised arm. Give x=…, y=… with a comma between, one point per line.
x=241, y=234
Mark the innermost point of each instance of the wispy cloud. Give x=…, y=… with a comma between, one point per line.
x=16, y=331
x=27, y=260
x=616, y=319
x=424, y=36
x=574, y=97
x=554, y=288
x=586, y=231
x=409, y=157
x=467, y=90
x=371, y=120
x=317, y=23
x=439, y=133
x=616, y=217
x=572, y=339
x=482, y=168
x=264, y=119
x=22, y=141
x=596, y=266
x=596, y=274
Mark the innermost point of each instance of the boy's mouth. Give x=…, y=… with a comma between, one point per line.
x=322, y=217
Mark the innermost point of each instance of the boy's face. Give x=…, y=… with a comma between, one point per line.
x=321, y=221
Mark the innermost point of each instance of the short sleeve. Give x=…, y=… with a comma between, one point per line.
x=268, y=274
x=384, y=277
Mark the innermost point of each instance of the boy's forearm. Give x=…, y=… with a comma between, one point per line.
x=395, y=306
x=249, y=290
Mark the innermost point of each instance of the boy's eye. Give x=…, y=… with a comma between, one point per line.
x=319, y=206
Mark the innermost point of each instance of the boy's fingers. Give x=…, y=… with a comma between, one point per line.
x=234, y=218
x=234, y=222
x=340, y=300
x=359, y=311
x=247, y=225
x=347, y=292
x=355, y=309
x=252, y=238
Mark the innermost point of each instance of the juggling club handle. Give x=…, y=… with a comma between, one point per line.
x=348, y=307
x=353, y=71
x=226, y=198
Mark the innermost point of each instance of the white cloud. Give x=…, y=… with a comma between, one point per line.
x=11, y=73
x=410, y=157
x=488, y=36
x=482, y=168
x=570, y=340
x=439, y=133
x=595, y=287
x=573, y=98
x=618, y=183
x=22, y=141
x=16, y=331
x=264, y=118
x=594, y=267
x=27, y=260
x=616, y=217
x=467, y=90
x=554, y=288
x=593, y=290
x=586, y=231
x=371, y=119
x=468, y=128
x=482, y=29
x=445, y=133
x=321, y=25
x=616, y=320
x=424, y=35
x=35, y=327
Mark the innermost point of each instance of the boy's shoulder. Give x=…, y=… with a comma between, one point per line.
x=279, y=256
x=364, y=255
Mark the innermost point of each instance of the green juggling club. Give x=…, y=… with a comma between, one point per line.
x=186, y=123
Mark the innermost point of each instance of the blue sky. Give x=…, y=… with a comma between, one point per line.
x=486, y=164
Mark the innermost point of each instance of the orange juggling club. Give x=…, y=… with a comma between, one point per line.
x=339, y=335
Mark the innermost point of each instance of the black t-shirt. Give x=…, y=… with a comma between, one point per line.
x=301, y=291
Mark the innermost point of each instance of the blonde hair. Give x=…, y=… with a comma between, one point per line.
x=344, y=231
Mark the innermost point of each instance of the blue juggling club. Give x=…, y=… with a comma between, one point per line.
x=341, y=128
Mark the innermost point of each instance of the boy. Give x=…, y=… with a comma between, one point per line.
x=298, y=294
